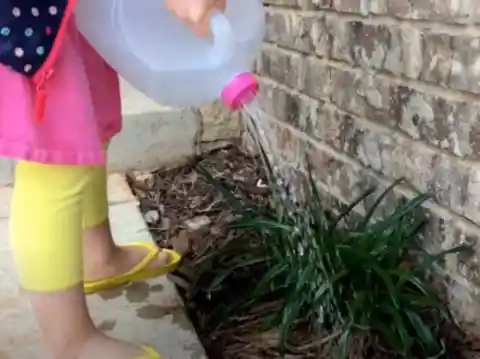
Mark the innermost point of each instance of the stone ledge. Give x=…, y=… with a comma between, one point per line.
x=152, y=140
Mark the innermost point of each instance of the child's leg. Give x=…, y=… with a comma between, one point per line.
x=103, y=259
x=46, y=235
x=98, y=245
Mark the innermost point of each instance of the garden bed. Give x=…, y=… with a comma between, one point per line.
x=186, y=212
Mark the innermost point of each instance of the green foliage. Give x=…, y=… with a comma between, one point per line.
x=367, y=278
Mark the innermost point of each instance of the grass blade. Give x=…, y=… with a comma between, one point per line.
x=352, y=206
x=343, y=345
x=378, y=201
x=424, y=333
x=408, y=209
x=234, y=202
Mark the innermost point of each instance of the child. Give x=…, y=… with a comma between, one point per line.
x=59, y=108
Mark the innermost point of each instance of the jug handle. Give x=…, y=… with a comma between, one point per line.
x=223, y=39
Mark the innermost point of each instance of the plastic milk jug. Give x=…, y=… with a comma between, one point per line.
x=160, y=56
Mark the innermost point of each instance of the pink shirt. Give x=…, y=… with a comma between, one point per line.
x=81, y=109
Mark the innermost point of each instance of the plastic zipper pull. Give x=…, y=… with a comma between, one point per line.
x=41, y=95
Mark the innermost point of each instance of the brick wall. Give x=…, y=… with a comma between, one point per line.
x=375, y=90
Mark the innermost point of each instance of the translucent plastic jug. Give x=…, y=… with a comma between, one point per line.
x=160, y=56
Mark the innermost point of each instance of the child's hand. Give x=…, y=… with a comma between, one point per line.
x=196, y=13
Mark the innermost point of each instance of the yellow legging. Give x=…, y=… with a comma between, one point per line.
x=51, y=205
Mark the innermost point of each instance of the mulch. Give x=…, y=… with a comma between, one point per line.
x=180, y=201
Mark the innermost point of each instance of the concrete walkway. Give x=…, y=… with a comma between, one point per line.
x=150, y=313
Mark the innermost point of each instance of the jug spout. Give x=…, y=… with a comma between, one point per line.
x=240, y=91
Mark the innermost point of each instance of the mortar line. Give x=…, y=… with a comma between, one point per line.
x=418, y=85
x=394, y=132
x=450, y=27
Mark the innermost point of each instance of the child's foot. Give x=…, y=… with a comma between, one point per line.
x=101, y=346
x=129, y=263
x=123, y=260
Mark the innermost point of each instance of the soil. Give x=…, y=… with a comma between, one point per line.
x=184, y=212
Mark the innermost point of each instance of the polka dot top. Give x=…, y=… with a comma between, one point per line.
x=31, y=33
x=28, y=32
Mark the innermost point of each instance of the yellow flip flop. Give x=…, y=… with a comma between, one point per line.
x=141, y=271
x=149, y=353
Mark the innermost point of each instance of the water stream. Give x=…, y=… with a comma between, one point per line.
x=259, y=126
x=262, y=128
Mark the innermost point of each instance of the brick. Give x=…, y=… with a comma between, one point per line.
x=436, y=120
x=305, y=33
x=466, y=64
x=468, y=193
x=447, y=60
x=419, y=9
x=397, y=50
x=362, y=94
x=352, y=6
x=347, y=181
x=463, y=298
x=341, y=33
x=378, y=7
x=449, y=11
x=437, y=59
x=285, y=3
x=320, y=37
x=470, y=116
x=452, y=61
x=318, y=4
x=391, y=157
x=404, y=55
x=317, y=81
x=290, y=150
x=218, y=123
x=289, y=29
x=284, y=67
x=370, y=44
x=302, y=4
x=283, y=106
x=435, y=10
x=467, y=265
x=334, y=128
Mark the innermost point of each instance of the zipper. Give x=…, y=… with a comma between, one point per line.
x=58, y=41
x=41, y=94
x=43, y=75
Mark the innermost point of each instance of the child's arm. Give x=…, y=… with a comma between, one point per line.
x=196, y=13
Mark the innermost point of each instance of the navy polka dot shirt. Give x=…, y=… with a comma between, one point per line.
x=28, y=30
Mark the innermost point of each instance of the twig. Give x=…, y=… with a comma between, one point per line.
x=316, y=343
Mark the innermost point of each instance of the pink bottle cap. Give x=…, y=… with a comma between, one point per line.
x=240, y=91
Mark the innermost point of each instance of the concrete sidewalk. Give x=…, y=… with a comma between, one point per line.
x=144, y=313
